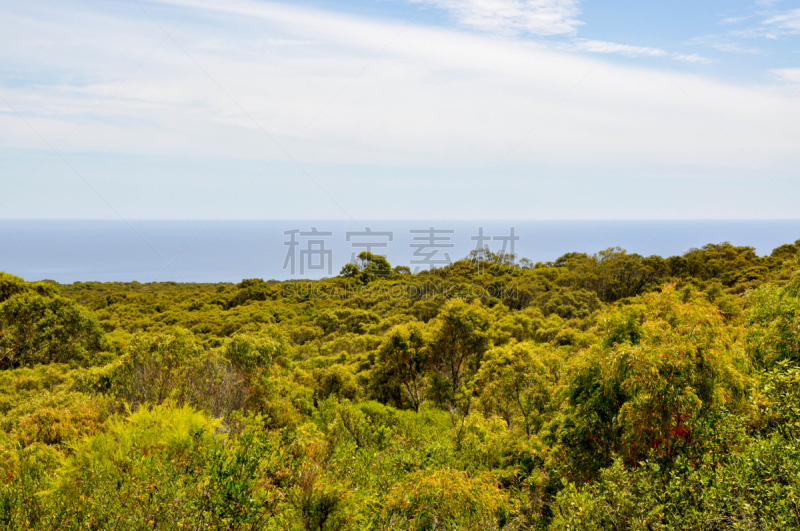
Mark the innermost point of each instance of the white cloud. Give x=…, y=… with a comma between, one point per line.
x=545, y=18
x=538, y=17
x=773, y=25
x=724, y=44
x=606, y=47
x=784, y=24
x=792, y=75
x=588, y=45
x=734, y=20
x=734, y=47
x=440, y=103
x=692, y=58
x=432, y=102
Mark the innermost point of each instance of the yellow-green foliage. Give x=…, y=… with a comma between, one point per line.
x=612, y=391
x=661, y=366
x=143, y=470
x=52, y=404
x=35, y=329
x=445, y=499
x=518, y=382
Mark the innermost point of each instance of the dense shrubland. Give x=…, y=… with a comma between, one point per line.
x=595, y=392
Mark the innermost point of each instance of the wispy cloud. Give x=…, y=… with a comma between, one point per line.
x=441, y=111
x=773, y=25
x=734, y=20
x=784, y=24
x=692, y=58
x=765, y=21
x=589, y=45
x=537, y=17
x=545, y=18
x=724, y=43
x=437, y=105
x=607, y=47
x=792, y=75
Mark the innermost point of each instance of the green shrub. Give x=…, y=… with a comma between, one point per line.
x=445, y=499
x=35, y=329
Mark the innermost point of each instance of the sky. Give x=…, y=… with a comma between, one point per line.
x=400, y=109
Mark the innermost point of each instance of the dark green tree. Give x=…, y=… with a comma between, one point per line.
x=461, y=337
x=367, y=268
x=36, y=329
x=404, y=359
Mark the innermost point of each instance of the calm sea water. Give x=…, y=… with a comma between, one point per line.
x=228, y=251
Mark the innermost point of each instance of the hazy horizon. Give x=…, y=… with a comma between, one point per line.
x=232, y=250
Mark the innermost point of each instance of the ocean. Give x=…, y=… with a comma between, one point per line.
x=228, y=251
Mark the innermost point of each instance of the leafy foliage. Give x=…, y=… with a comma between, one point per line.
x=613, y=391
x=37, y=329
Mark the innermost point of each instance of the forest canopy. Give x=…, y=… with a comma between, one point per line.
x=607, y=391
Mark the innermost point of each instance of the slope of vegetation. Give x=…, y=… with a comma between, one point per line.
x=612, y=391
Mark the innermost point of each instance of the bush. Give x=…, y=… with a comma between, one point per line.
x=173, y=366
x=445, y=499
x=661, y=366
x=36, y=329
x=145, y=470
x=26, y=473
x=773, y=320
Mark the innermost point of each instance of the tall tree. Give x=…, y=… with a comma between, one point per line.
x=460, y=340
x=404, y=359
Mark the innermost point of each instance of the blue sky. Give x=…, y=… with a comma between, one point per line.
x=397, y=109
